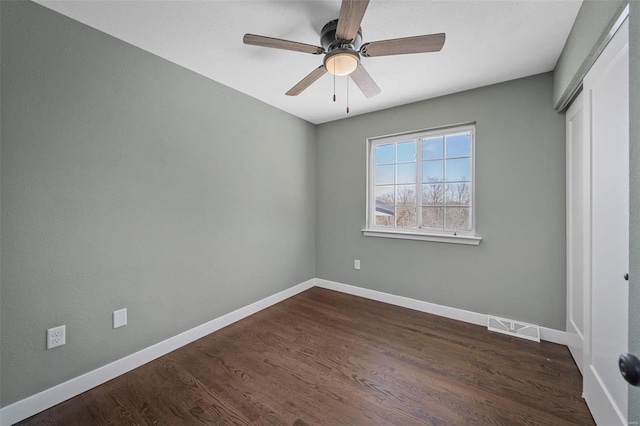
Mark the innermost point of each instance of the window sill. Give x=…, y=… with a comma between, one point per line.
x=440, y=238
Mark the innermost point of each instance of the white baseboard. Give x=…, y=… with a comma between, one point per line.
x=553, y=336
x=405, y=302
x=548, y=334
x=48, y=398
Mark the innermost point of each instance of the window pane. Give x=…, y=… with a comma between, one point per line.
x=432, y=217
x=406, y=152
x=433, y=195
x=432, y=171
x=384, y=194
x=458, y=194
x=406, y=173
x=458, y=169
x=432, y=148
x=406, y=217
x=406, y=195
x=459, y=145
x=383, y=175
x=458, y=218
x=385, y=220
x=384, y=154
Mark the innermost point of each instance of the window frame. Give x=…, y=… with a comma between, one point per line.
x=428, y=234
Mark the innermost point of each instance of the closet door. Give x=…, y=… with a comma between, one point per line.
x=575, y=229
x=606, y=107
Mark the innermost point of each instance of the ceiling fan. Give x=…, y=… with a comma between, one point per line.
x=342, y=47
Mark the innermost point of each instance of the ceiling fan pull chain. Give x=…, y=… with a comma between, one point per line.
x=347, y=94
x=334, y=82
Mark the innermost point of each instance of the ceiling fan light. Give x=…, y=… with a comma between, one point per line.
x=341, y=63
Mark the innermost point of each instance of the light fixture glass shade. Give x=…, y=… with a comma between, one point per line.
x=342, y=63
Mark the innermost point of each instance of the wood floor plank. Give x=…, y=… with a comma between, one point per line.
x=327, y=358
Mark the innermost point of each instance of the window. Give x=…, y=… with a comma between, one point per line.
x=421, y=184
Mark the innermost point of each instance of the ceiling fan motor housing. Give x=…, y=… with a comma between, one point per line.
x=329, y=42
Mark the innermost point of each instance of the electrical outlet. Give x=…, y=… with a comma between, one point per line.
x=120, y=318
x=56, y=336
x=356, y=264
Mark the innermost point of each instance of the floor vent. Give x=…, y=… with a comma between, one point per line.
x=514, y=328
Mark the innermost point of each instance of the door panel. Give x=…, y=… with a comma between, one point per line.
x=606, y=91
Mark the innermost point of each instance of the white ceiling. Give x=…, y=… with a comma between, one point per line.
x=487, y=42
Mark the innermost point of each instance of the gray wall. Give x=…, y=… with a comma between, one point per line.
x=634, y=237
x=592, y=25
x=0, y=211
x=130, y=182
x=518, y=270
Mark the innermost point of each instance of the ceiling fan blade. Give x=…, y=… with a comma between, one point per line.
x=278, y=43
x=364, y=81
x=401, y=46
x=307, y=81
x=351, y=14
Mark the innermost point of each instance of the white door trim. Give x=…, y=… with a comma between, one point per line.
x=575, y=152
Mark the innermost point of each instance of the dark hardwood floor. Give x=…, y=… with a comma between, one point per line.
x=327, y=358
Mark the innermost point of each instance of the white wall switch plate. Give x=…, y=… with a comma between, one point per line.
x=56, y=336
x=120, y=318
x=356, y=264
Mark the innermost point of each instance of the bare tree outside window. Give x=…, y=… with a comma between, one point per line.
x=458, y=202
x=406, y=207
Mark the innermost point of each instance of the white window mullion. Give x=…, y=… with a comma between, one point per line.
x=371, y=185
x=444, y=182
x=419, y=183
x=395, y=185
